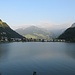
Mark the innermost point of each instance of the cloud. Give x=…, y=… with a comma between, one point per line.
x=49, y=25
x=45, y=25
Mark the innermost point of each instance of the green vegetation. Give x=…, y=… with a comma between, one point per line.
x=3, y=24
x=68, y=35
x=30, y=36
x=40, y=36
x=34, y=32
x=7, y=32
x=35, y=36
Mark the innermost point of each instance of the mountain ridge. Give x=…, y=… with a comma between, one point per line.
x=38, y=33
x=69, y=33
x=7, y=32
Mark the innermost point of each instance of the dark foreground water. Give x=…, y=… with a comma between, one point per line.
x=51, y=58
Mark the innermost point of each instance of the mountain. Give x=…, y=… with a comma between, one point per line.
x=73, y=25
x=6, y=31
x=69, y=34
x=34, y=32
x=57, y=32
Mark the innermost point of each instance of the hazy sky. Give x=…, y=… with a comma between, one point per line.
x=19, y=13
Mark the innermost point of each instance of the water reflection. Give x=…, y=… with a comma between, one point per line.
x=4, y=48
x=1, y=52
x=70, y=50
x=44, y=58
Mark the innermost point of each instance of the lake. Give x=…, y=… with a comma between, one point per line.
x=46, y=58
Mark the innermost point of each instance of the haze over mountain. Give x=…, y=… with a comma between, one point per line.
x=53, y=30
x=73, y=25
x=6, y=31
x=68, y=34
x=35, y=32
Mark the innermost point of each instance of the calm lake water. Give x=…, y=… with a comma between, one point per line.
x=46, y=58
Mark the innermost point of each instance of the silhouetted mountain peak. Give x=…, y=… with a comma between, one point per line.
x=69, y=34
x=3, y=24
x=35, y=32
x=0, y=20
x=33, y=27
x=6, y=31
x=73, y=25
